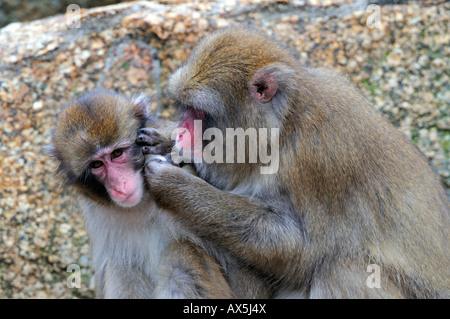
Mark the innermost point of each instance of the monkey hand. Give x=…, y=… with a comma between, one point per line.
x=152, y=161
x=155, y=142
x=160, y=173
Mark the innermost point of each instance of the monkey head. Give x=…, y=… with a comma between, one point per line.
x=234, y=71
x=94, y=144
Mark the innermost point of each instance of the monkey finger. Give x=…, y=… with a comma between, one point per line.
x=147, y=150
x=149, y=131
x=148, y=140
x=158, y=149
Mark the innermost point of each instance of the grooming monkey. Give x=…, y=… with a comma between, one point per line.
x=350, y=191
x=138, y=250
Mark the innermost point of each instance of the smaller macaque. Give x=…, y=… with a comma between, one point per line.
x=138, y=250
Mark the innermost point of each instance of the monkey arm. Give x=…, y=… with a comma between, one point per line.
x=257, y=233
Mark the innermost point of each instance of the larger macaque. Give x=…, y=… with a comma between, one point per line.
x=350, y=190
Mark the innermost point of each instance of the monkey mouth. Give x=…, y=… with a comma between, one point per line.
x=126, y=199
x=190, y=116
x=118, y=195
x=188, y=123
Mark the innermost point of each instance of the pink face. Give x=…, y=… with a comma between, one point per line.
x=123, y=183
x=189, y=136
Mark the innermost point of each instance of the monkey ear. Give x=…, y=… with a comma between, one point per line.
x=264, y=86
x=142, y=104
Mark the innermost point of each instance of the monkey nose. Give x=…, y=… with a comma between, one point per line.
x=118, y=186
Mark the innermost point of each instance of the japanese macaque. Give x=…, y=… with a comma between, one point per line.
x=138, y=250
x=351, y=194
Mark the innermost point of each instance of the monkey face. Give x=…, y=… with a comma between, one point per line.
x=123, y=183
x=232, y=80
x=94, y=143
x=190, y=131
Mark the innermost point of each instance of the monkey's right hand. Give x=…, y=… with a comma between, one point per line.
x=154, y=141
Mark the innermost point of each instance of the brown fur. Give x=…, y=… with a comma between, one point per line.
x=205, y=276
x=351, y=189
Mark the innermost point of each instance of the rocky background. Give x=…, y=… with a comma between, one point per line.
x=402, y=66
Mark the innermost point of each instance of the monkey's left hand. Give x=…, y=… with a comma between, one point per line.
x=164, y=179
x=155, y=142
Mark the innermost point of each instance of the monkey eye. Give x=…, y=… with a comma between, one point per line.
x=116, y=153
x=96, y=164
